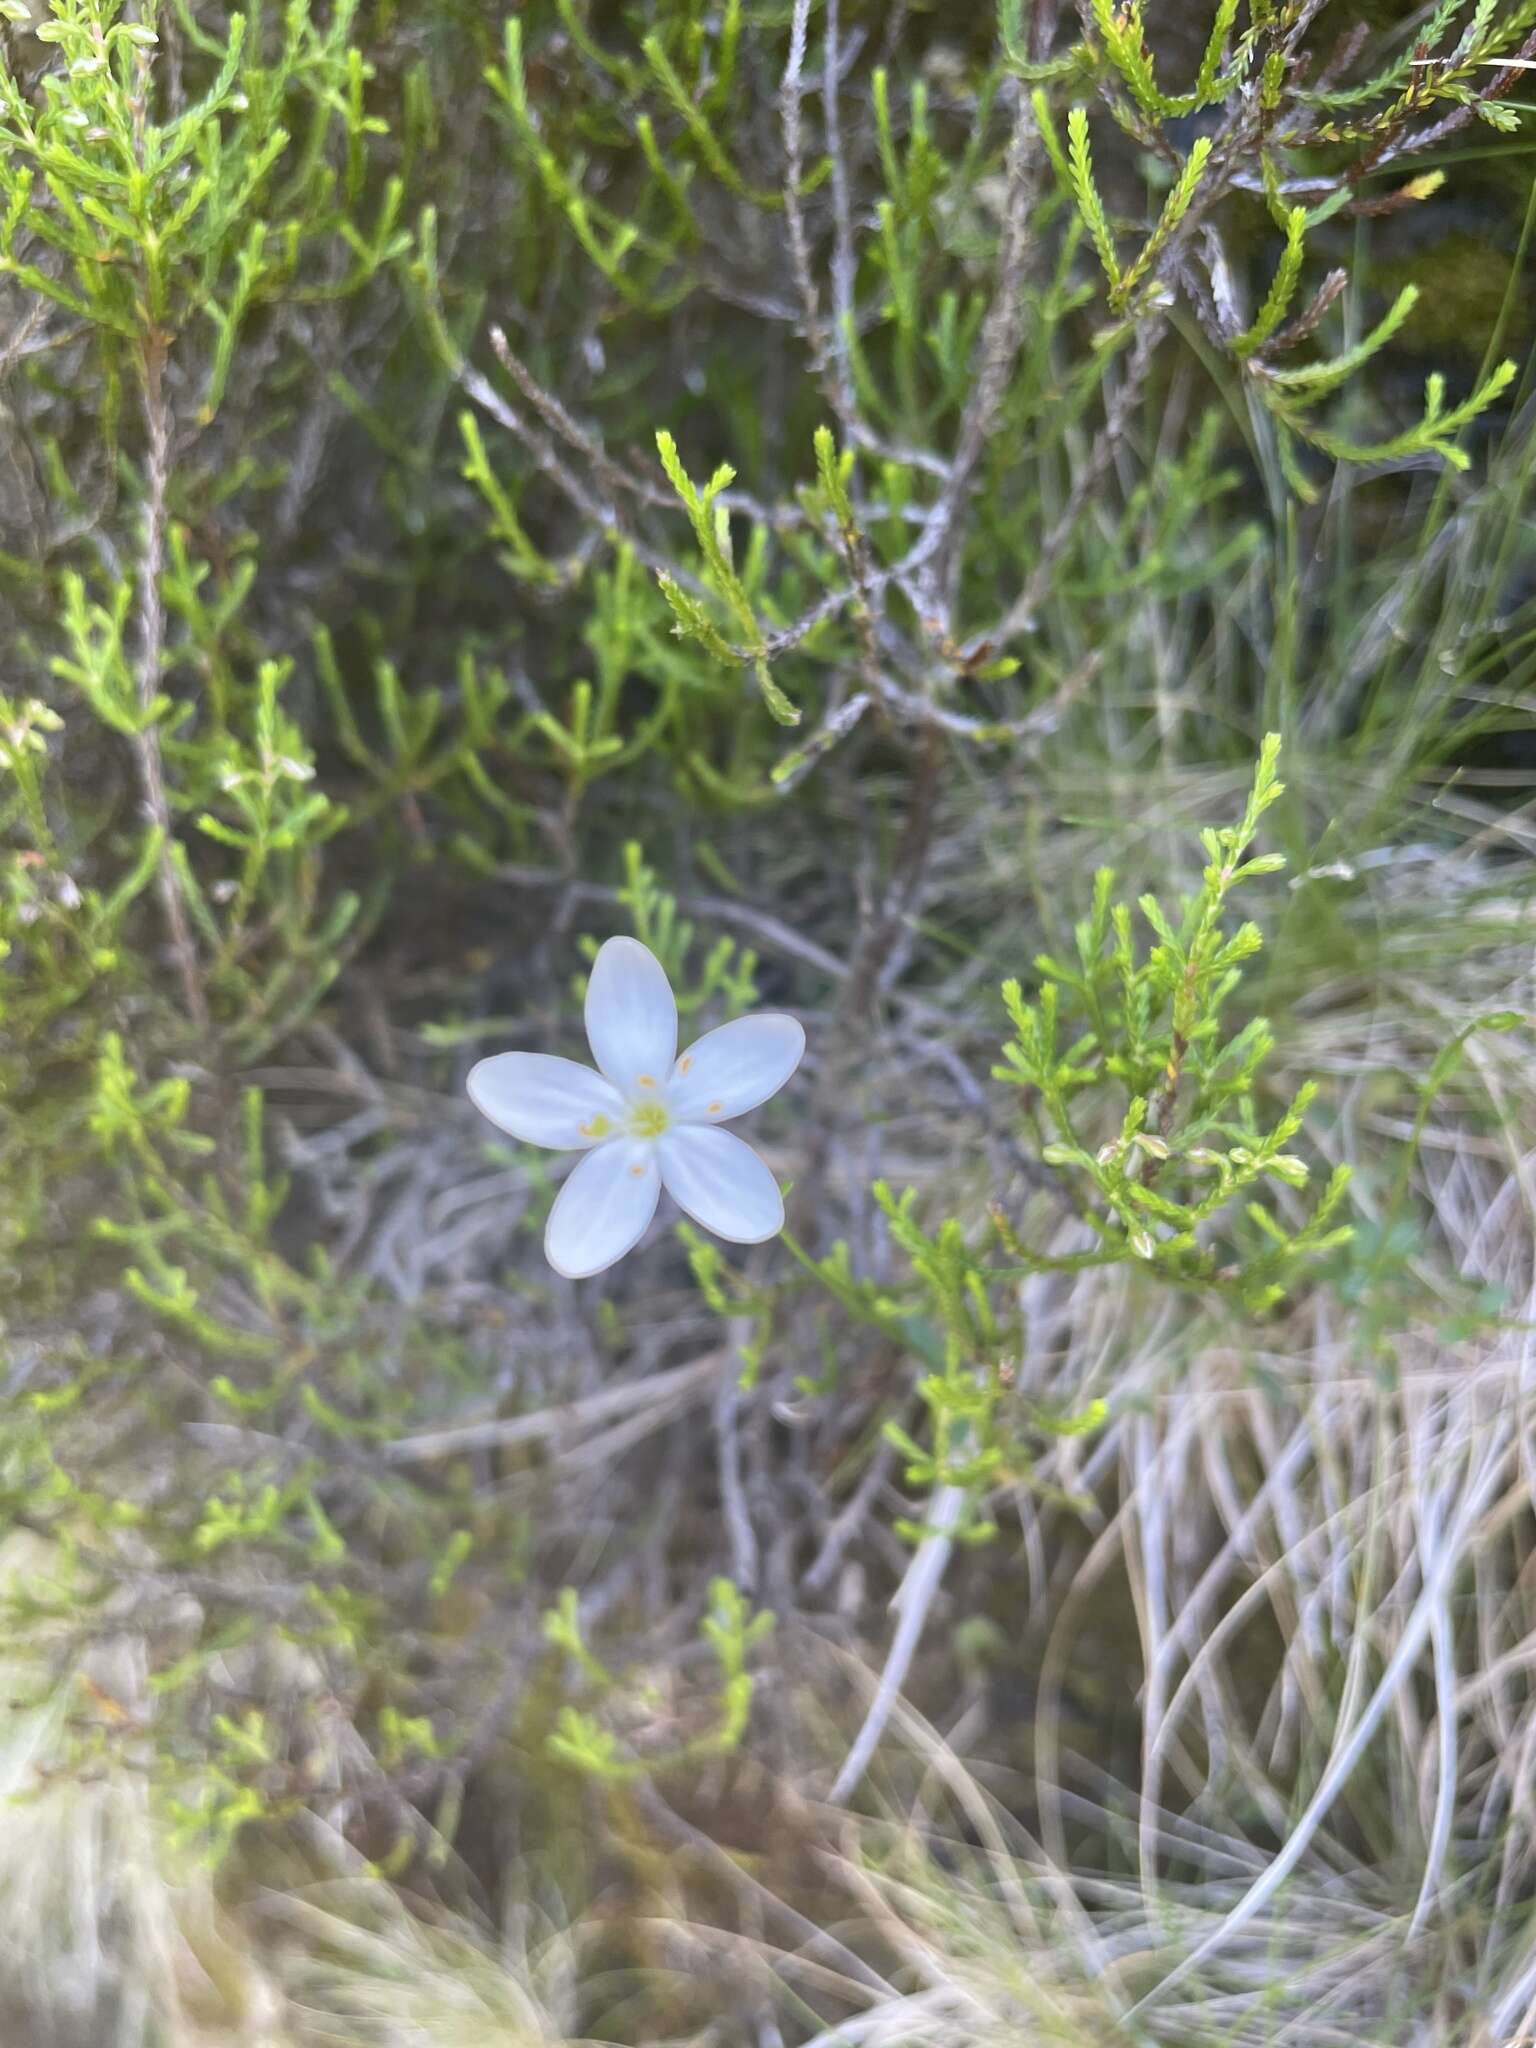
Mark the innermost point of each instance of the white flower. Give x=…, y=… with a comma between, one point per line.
x=647, y=1120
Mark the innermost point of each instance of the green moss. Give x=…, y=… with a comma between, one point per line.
x=1463, y=281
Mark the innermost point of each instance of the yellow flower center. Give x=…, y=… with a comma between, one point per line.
x=648, y=1119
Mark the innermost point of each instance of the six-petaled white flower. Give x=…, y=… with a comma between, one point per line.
x=647, y=1119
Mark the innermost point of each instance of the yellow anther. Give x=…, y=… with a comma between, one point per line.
x=715, y=1108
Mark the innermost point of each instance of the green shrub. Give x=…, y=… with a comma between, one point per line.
x=830, y=489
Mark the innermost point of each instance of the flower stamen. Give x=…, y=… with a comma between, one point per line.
x=648, y=1119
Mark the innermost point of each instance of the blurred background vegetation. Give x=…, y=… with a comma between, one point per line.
x=811, y=483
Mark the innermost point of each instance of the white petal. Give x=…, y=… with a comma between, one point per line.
x=721, y=1183
x=545, y=1101
x=731, y=1070
x=603, y=1209
x=631, y=1017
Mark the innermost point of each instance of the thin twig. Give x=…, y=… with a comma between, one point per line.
x=791, y=97
x=997, y=350
x=670, y=1390
x=843, y=262
x=146, y=742
x=1020, y=615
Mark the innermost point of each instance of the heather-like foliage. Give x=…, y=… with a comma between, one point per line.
x=869, y=501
